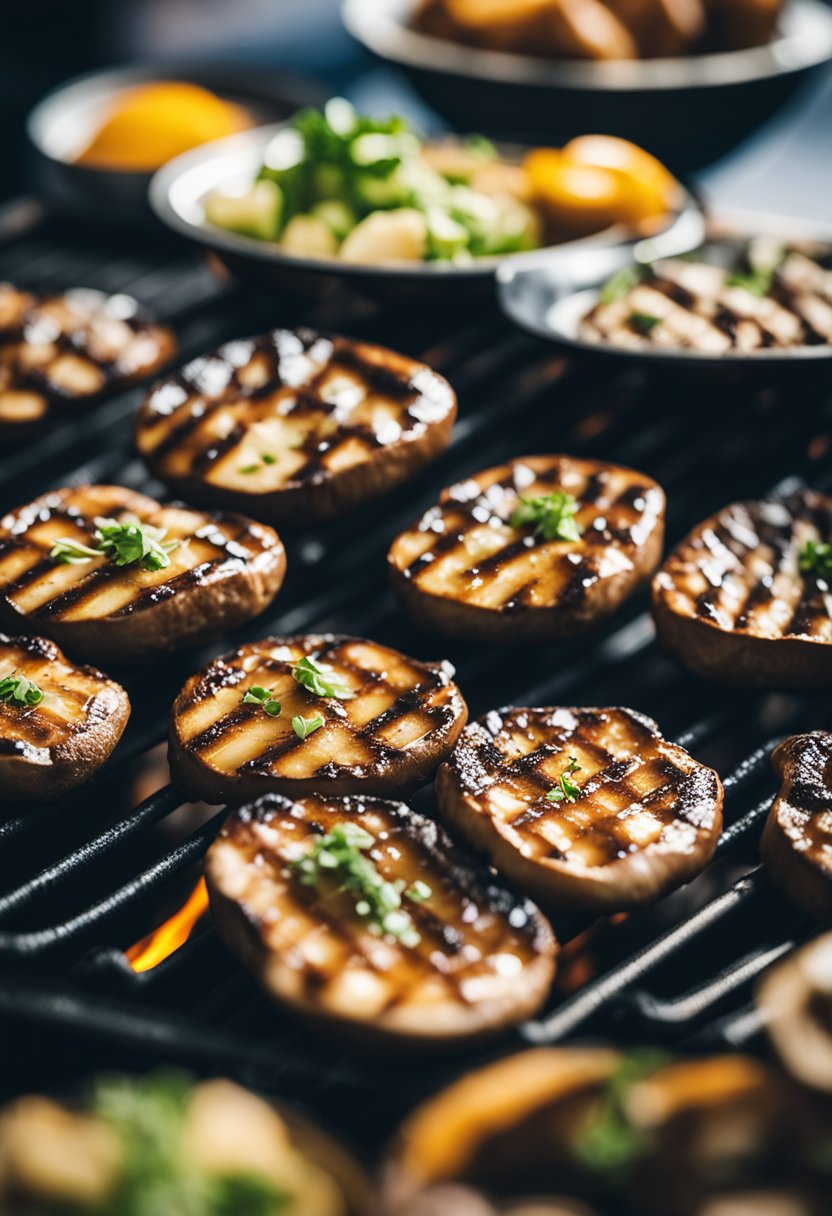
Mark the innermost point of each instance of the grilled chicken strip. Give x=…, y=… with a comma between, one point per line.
x=294, y=424
x=744, y=598
x=797, y=841
x=472, y=567
x=368, y=720
x=701, y=306
x=59, y=352
x=394, y=932
x=214, y=572
x=582, y=808
x=58, y=722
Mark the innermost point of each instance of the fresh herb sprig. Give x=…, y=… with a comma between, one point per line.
x=624, y=280
x=257, y=695
x=265, y=458
x=318, y=678
x=18, y=691
x=303, y=727
x=566, y=790
x=816, y=558
x=124, y=542
x=643, y=322
x=553, y=516
x=611, y=1144
x=340, y=858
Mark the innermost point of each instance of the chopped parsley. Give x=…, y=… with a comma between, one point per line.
x=305, y=726
x=17, y=690
x=643, y=322
x=566, y=790
x=340, y=858
x=264, y=698
x=816, y=558
x=553, y=516
x=611, y=1144
x=318, y=678
x=618, y=284
x=265, y=458
x=757, y=282
x=124, y=542
x=149, y=1116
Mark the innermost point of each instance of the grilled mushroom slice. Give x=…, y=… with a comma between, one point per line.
x=62, y=351
x=58, y=722
x=114, y=576
x=512, y=1122
x=745, y=597
x=360, y=912
x=295, y=424
x=582, y=808
x=797, y=841
x=313, y=714
x=543, y=547
x=796, y=1001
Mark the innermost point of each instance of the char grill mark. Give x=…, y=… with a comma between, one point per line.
x=27, y=536
x=326, y=426
x=570, y=565
x=748, y=560
x=415, y=702
x=466, y=923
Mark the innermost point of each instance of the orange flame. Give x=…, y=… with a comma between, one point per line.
x=162, y=942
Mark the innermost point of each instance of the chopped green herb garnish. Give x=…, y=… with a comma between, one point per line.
x=250, y=468
x=305, y=726
x=757, y=282
x=264, y=698
x=553, y=516
x=618, y=284
x=317, y=678
x=566, y=790
x=643, y=322
x=339, y=860
x=124, y=542
x=149, y=1116
x=816, y=558
x=267, y=458
x=17, y=690
x=611, y=1144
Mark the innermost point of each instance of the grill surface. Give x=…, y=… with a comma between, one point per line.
x=85, y=877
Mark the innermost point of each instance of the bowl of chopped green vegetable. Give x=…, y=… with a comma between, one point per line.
x=335, y=195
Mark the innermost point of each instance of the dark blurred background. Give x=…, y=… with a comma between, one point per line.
x=785, y=168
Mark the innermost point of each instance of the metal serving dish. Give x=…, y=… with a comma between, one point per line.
x=550, y=298
x=61, y=125
x=687, y=111
x=178, y=191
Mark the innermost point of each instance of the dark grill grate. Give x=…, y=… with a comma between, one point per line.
x=85, y=877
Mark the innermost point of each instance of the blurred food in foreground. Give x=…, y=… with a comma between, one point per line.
x=601, y=29
x=773, y=297
x=636, y=1133
x=338, y=184
x=146, y=126
x=161, y=1146
x=795, y=999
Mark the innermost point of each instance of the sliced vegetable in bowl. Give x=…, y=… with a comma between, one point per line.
x=334, y=183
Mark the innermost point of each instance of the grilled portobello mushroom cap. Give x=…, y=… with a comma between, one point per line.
x=461, y=958
x=57, y=736
x=582, y=808
x=294, y=424
x=224, y=570
x=733, y=603
x=61, y=352
x=466, y=569
x=797, y=840
x=390, y=721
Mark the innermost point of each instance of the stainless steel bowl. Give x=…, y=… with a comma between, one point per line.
x=687, y=111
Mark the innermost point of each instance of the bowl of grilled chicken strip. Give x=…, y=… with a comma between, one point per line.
x=756, y=293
